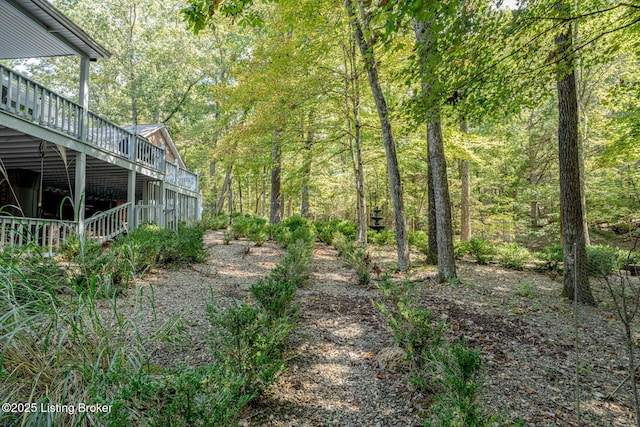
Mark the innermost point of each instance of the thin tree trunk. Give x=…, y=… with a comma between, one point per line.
x=576, y=277
x=240, y=195
x=225, y=187
x=395, y=184
x=214, y=187
x=230, y=190
x=465, y=193
x=275, y=212
x=352, y=107
x=306, y=173
x=440, y=204
x=444, y=228
x=432, y=249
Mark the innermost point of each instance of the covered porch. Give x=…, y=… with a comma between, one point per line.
x=64, y=170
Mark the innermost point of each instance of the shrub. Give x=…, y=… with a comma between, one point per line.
x=419, y=240
x=601, y=260
x=478, y=248
x=294, y=267
x=354, y=256
x=210, y=221
x=249, y=344
x=275, y=297
x=513, y=256
x=415, y=329
x=152, y=245
x=456, y=370
x=257, y=232
x=206, y=395
x=382, y=237
x=552, y=255
x=292, y=229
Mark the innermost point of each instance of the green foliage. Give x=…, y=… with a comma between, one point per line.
x=294, y=267
x=57, y=350
x=156, y=246
x=354, y=256
x=626, y=259
x=210, y=221
x=257, y=231
x=382, y=237
x=456, y=370
x=292, y=229
x=31, y=272
x=275, y=297
x=327, y=230
x=525, y=290
x=205, y=395
x=513, y=255
x=480, y=249
x=552, y=255
x=249, y=344
x=601, y=260
x=415, y=328
x=419, y=240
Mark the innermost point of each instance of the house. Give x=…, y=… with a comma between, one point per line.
x=64, y=170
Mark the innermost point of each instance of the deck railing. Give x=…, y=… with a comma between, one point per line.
x=148, y=214
x=44, y=233
x=35, y=103
x=181, y=177
x=106, y=225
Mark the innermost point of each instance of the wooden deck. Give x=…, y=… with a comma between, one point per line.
x=33, y=103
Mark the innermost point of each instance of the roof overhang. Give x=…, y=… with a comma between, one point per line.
x=35, y=29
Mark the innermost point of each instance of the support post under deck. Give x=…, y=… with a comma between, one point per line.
x=79, y=194
x=131, y=198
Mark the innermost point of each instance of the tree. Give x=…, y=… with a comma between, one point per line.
x=576, y=278
x=437, y=162
x=393, y=171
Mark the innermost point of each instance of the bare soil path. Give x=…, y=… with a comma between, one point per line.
x=517, y=319
x=334, y=378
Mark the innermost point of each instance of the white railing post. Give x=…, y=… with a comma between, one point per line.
x=83, y=98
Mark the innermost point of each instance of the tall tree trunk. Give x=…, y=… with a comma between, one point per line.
x=275, y=212
x=225, y=187
x=230, y=192
x=584, y=133
x=444, y=228
x=432, y=248
x=437, y=163
x=395, y=184
x=465, y=193
x=576, y=277
x=352, y=110
x=306, y=172
x=214, y=187
x=240, y=195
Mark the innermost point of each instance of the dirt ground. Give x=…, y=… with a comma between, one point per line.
x=526, y=334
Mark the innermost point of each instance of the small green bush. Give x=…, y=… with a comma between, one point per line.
x=257, y=231
x=552, y=256
x=275, y=297
x=457, y=368
x=382, y=237
x=601, y=260
x=478, y=248
x=210, y=221
x=249, y=344
x=415, y=329
x=294, y=267
x=514, y=256
x=419, y=240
